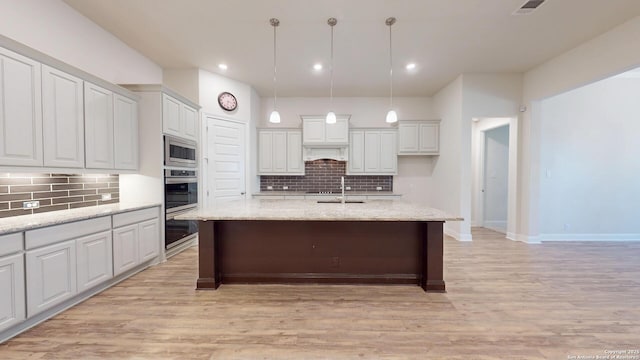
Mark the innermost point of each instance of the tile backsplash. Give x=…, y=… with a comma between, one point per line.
x=54, y=192
x=324, y=175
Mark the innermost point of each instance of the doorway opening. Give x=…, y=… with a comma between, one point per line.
x=493, y=185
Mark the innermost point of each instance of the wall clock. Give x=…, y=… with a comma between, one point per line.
x=227, y=101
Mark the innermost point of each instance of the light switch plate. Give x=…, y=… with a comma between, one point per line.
x=106, y=197
x=31, y=204
x=378, y=188
x=269, y=187
x=285, y=188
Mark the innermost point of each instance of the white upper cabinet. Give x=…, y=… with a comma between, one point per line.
x=20, y=110
x=419, y=137
x=125, y=132
x=373, y=152
x=98, y=115
x=315, y=131
x=63, y=119
x=280, y=152
x=179, y=119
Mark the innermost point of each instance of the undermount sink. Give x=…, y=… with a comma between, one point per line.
x=338, y=202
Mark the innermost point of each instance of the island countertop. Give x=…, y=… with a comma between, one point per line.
x=311, y=210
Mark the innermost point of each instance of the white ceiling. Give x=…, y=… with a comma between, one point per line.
x=444, y=37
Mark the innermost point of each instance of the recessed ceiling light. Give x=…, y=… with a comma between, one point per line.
x=317, y=67
x=410, y=66
x=223, y=66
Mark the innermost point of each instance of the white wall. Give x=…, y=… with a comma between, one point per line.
x=414, y=173
x=185, y=82
x=589, y=163
x=54, y=28
x=608, y=54
x=446, y=176
x=496, y=178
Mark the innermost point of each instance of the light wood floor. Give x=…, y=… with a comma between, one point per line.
x=505, y=300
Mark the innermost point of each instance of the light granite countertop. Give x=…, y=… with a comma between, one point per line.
x=28, y=222
x=301, y=210
x=347, y=193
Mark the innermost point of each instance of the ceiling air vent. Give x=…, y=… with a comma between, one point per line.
x=528, y=7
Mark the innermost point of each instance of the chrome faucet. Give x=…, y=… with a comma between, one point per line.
x=342, y=186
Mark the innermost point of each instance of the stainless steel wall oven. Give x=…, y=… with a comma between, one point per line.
x=180, y=195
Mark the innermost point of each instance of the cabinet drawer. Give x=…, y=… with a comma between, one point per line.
x=53, y=234
x=133, y=217
x=10, y=244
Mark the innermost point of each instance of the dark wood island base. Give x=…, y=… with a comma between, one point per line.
x=321, y=252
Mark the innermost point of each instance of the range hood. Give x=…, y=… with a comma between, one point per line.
x=314, y=152
x=325, y=141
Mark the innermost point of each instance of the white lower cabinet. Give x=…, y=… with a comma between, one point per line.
x=12, y=309
x=51, y=276
x=94, y=260
x=136, y=238
x=125, y=248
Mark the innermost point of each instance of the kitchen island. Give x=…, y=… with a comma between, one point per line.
x=303, y=241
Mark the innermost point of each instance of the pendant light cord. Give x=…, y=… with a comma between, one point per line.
x=332, y=22
x=390, y=23
x=274, y=22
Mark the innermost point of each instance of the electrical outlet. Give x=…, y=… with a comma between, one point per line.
x=567, y=227
x=348, y=188
x=378, y=188
x=269, y=187
x=285, y=188
x=31, y=204
x=106, y=197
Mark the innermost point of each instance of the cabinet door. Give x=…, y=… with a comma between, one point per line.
x=388, y=152
x=408, y=138
x=295, y=164
x=98, y=118
x=265, y=153
x=337, y=133
x=279, y=151
x=51, y=276
x=149, y=232
x=171, y=116
x=62, y=118
x=125, y=132
x=12, y=309
x=429, y=138
x=125, y=248
x=313, y=131
x=190, y=122
x=356, y=152
x=372, y=151
x=94, y=260
x=20, y=110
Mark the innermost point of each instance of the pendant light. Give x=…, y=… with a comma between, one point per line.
x=331, y=116
x=392, y=117
x=275, y=115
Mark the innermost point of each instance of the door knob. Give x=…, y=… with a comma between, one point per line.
x=242, y=193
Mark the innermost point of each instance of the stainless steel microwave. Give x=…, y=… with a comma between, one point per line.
x=180, y=152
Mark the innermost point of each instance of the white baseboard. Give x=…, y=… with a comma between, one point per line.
x=456, y=235
x=590, y=237
x=496, y=225
x=523, y=238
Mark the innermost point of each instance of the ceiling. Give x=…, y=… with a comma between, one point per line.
x=443, y=37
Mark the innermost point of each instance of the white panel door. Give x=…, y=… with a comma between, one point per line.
x=280, y=151
x=98, y=118
x=226, y=161
x=372, y=151
x=429, y=138
x=337, y=133
x=265, y=152
x=94, y=260
x=51, y=276
x=408, y=141
x=62, y=118
x=190, y=122
x=388, y=152
x=171, y=123
x=356, y=152
x=125, y=132
x=12, y=309
x=125, y=248
x=20, y=110
x=313, y=131
x=149, y=237
x=295, y=165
